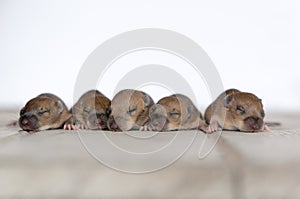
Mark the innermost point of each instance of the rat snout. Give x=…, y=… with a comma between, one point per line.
x=158, y=122
x=101, y=116
x=102, y=120
x=112, y=125
x=25, y=122
x=97, y=121
x=28, y=122
x=123, y=123
x=254, y=123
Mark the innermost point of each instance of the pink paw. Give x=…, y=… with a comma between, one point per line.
x=74, y=127
x=266, y=128
x=69, y=127
x=145, y=128
x=210, y=128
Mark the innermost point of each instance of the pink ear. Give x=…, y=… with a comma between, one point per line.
x=190, y=110
x=227, y=100
x=59, y=106
x=147, y=100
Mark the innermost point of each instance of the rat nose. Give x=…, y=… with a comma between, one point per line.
x=123, y=123
x=259, y=122
x=102, y=123
x=28, y=122
x=254, y=123
x=112, y=125
x=25, y=122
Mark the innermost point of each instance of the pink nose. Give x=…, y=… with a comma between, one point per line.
x=102, y=123
x=25, y=122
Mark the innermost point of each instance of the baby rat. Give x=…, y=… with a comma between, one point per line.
x=236, y=110
x=129, y=110
x=175, y=112
x=89, y=112
x=46, y=111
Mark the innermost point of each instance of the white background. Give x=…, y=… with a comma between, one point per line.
x=255, y=44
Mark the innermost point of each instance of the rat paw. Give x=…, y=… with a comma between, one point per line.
x=266, y=128
x=145, y=128
x=210, y=128
x=68, y=127
x=74, y=127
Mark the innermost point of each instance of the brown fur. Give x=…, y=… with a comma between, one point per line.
x=175, y=112
x=89, y=112
x=129, y=110
x=236, y=110
x=46, y=111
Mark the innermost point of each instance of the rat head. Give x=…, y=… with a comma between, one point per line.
x=245, y=111
x=42, y=112
x=130, y=109
x=172, y=112
x=93, y=112
x=158, y=117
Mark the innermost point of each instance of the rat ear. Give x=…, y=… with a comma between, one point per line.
x=147, y=100
x=59, y=106
x=227, y=100
x=189, y=111
x=157, y=109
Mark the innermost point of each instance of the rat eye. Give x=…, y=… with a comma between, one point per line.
x=241, y=109
x=43, y=111
x=130, y=111
x=263, y=113
x=173, y=114
x=87, y=110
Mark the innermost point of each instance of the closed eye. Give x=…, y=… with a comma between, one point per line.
x=87, y=110
x=41, y=112
x=174, y=114
x=130, y=111
x=241, y=109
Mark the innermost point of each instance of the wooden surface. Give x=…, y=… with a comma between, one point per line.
x=81, y=164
